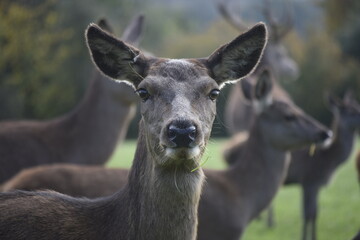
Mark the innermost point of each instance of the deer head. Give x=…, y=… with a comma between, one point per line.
x=347, y=110
x=178, y=96
x=276, y=55
x=285, y=125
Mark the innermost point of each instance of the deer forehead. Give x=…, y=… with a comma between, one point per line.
x=178, y=77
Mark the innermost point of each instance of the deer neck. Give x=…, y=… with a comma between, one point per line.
x=259, y=171
x=343, y=142
x=164, y=201
x=98, y=122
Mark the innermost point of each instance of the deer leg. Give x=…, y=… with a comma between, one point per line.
x=309, y=212
x=270, y=217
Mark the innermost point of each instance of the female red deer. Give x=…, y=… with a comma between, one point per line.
x=238, y=115
x=313, y=172
x=232, y=198
x=86, y=135
x=161, y=197
x=277, y=131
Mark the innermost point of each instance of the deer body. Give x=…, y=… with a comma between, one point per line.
x=234, y=197
x=86, y=135
x=69, y=179
x=314, y=172
x=161, y=197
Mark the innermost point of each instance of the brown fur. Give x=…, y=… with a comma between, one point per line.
x=161, y=197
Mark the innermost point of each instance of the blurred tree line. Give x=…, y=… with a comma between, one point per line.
x=44, y=64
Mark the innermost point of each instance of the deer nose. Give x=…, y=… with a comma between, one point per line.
x=324, y=135
x=181, y=134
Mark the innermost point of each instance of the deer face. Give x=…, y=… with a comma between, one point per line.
x=178, y=96
x=348, y=110
x=277, y=57
x=178, y=107
x=285, y=125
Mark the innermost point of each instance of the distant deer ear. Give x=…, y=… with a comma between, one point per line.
x=132, y=33
x=104, y=25
x=264, y=85
x=238, y=58
x=349, y=97
x=333, y=102
x=114, y=57
x=247, y=88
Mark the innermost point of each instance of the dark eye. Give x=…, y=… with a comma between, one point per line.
x=143, y=94
x=214, y=94
x=290, y=117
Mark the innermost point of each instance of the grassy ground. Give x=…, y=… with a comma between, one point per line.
x=339, y=202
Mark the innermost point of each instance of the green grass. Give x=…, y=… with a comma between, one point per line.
x=339, y=217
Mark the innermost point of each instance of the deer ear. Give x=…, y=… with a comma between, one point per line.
x=263, y=88
x=115, y=58
x=349, y=97
x=247, y=88
x=104, y=25
x=132, y=33
x=333, y=102
x=238, y=58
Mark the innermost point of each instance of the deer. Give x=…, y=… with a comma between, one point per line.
x=238, y=115
x=314, y=171
x=86, y=135
x=178, y=107
x=229, y=201
x=232, y=198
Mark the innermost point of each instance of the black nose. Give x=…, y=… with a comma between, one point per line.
x=323, y=135
x=182, y=133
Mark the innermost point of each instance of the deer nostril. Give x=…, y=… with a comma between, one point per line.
x=325, y=135
x=181, y=135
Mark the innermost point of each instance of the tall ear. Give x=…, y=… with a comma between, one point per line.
x=238, y=58
x=132, y=33
x=115, y=58
x=333, y=102
x=263, y=87
x=104, y=25
x=247, y=88
x=349, y=97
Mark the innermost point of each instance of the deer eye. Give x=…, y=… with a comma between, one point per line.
x=214, y=94
x=143, y=94
x=290, y=117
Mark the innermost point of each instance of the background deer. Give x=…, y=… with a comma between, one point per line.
x=232, y=198
x=161, y=197
x=314, y=172
x=86, y=135
x=238, y=115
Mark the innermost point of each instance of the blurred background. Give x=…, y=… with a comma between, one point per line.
x=45, y=67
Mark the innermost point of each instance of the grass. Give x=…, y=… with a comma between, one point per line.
x=339, y=216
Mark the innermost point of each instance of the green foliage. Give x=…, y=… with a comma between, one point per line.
x=323, y=70
x=33, y=52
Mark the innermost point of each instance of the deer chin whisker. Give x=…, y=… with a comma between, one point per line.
x=183, y=153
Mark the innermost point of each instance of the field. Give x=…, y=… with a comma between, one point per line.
x=339, y=217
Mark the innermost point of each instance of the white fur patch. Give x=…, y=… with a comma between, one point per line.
x=259, y=105
x=175, y=152
x=180, y=62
